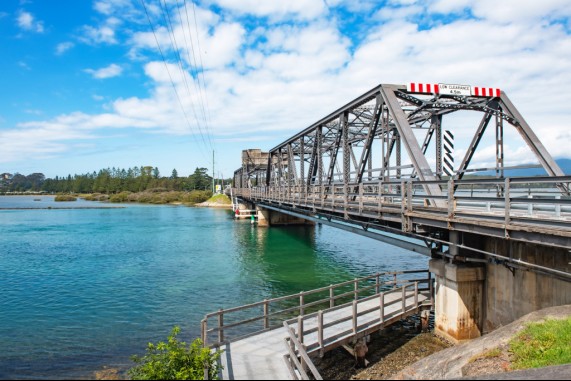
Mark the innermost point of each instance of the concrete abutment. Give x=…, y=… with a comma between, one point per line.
x=475, y=298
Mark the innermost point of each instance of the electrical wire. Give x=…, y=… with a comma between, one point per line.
x=169, y=73
x=200, y=58
x=172, y=37
x=194, y=69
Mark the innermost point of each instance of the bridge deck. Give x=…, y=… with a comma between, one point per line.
x=261, y=357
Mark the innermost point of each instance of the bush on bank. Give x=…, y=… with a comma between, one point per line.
x=65, y=197
x=174, y=360
x=153, y=197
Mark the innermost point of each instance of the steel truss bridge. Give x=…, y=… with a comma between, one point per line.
x=375, y=167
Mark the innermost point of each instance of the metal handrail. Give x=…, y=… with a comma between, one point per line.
x=506, y=193
x=361, y=289
x=297, y=347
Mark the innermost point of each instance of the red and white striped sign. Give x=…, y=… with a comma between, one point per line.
x=431, y=88
x=426, y=88
x=485, y=92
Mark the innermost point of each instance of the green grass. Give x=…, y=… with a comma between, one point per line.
x=495, y=352
x=542, y=344
x=220, y=199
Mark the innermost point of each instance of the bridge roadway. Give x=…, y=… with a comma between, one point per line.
x=535, y=216
x=263, y=356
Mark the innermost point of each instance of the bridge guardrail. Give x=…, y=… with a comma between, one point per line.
x=261, y=316
x=528, y=200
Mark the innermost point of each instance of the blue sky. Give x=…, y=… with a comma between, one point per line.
x=84, y=85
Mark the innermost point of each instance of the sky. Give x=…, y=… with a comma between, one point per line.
x=92, y=84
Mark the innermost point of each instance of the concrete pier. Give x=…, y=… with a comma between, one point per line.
x=268, y=217
x=476, y=298
x=459, y=299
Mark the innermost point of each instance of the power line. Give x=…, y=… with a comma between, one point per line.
x=172, y=37
x=168, y=71
x=194, y=69
x=200, y=58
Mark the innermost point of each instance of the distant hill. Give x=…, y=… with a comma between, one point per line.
x=564, y=164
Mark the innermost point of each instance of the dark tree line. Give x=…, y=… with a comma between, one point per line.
x=109, y=181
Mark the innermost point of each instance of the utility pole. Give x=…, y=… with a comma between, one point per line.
x=213, y=189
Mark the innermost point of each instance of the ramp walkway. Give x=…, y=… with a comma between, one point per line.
x=327, y=318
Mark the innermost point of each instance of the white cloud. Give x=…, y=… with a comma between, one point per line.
x=110, y=71
x=27, y=22
x=24, y=65
x=33, y=112
x=109, y=7
x=217, y=43
x=63, y=47
x=278, y=79
x=42, y=141
x=102, y=34
x=449, y=6
x=297, y=9
x=506, y=11
x=401, y=12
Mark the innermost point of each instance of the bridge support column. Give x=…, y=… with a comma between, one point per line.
x=459, y=299
x=268, y=217
x=263, y=216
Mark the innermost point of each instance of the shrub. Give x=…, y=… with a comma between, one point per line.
x=173, y=360
x=197, y=196
x=119, y=197
x=96, y=197
x=65, y=197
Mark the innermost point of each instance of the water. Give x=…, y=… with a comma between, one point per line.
x=81, y=289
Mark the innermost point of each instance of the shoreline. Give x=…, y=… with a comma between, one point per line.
x=67, y=208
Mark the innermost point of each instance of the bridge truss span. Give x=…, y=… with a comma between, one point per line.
x=378, y=162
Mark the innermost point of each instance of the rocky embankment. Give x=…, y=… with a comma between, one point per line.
x=401, y=352
x=473, y=359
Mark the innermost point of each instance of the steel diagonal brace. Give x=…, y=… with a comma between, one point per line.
x=533, y=142
x=365, y=155
x=475, y=141
x=418, y=159
x=531, y=139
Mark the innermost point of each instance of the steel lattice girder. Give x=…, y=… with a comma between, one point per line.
x=387, y=114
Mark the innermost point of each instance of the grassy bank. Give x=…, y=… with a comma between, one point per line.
x=150, y=197
x=542, y=344
x=220, y=199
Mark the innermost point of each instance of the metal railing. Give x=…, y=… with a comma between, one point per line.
x=531, y=200
x=236, y=323
x=298, y=357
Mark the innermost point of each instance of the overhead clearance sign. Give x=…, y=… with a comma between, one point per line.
x=452, y=89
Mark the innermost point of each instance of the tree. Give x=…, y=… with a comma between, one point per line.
x=200, y=179
x=174, y=174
